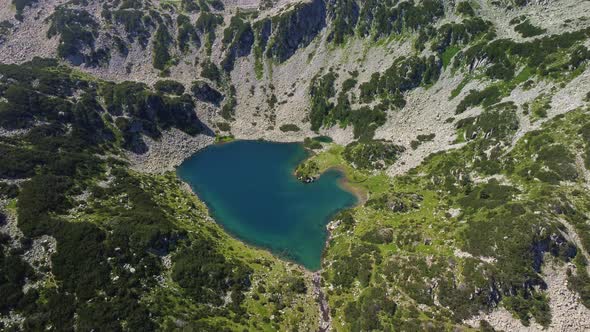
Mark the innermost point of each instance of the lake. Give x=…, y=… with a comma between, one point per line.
x=251, y=191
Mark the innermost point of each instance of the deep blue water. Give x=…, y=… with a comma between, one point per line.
x=251, y=191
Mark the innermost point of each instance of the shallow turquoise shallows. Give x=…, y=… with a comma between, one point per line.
x=250, y=189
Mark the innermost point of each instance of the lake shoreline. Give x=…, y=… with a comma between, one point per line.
x=187, y=187
x=361, y=195
x=312, y=210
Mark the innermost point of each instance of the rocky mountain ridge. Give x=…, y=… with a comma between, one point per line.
x=263, y=91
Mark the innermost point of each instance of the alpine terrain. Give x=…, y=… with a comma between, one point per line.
x=462, y=127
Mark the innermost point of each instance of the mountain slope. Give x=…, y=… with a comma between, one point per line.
x=465, y=125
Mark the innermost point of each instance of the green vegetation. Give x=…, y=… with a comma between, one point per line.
x=162, y=42
x=526, y=29
x=467, y=231
x=147, y=112
x=206, y=25
x=77, y=30
x=204, y=92
x=262, y=31
x=403, y=75
x=421, y=139
x=292, y=29
x=205, y=275
x=486, y=97
x=406, y=73
x=5, y=28
x=315, y=143
x=20, y=6
x=135, y=23
x=448, y=55
x=210, y=71
x=540, y=106
x=190, y=6
x=365, y=314
x=169, y=87
x=371, y=154
x=464, y=8
x=307, y=171
x=223, y=126
x=397, y=18
x=186, y=34
x=236, y=28
x=229, y=107
x=238, y=38
x=399, y=240
x=349, y=84
x=322, y=89
x=495, y=125
x=108, y=270
x=456, y=35
x=545, y=57
x=545, y=54
x=580, y=282
x=345, y=17
x=289, y=127
x=13, y=275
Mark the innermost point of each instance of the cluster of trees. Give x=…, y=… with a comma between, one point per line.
x=77, y=30
x=516, y=276
x=307, y=171
x=554, y=161
x=204, y=92
x=492, y=213
x=206, y=25
x=355, y=265
x=60, y=162
x=345, y=15
x=495, y=216
x=206, y=275
x=585, y=133
x=103, y=269
x=169, y=87
x=540, y=53
x=162, y=42
x=312, y=143
x=238, y=39
x=458, y=34
x=187, y=34
x=292, y=30
x=526, y=29
x=325, y=113
x=210, y=71
x=329, y=107
x=20, y=6
x=190, y=6
x=289, y=127
x=400, y=202
x=486, y=98
x=464, y=8
x=381, y=18
x=13, y=274
x=406, y=73
x=373, y=306
x=491, y=126
x=136, y=24
x=422, y=138
x=321, y=90
x=372, y=154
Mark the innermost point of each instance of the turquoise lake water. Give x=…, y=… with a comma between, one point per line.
x=251, y=191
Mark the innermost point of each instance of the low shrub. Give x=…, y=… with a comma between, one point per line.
x=289, y=127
